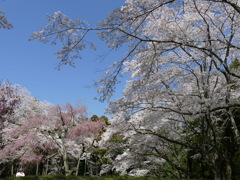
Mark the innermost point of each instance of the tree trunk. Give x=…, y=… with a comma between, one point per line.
x=37, y=168
x=46, y=171
x=65, y=163
x=79, y=159
x=85, y=167
x=78, y=164
x=235, y=129
x=90, y=169
x=12, y=169
x=229, y=172
x=49, y=157
x=217, y=176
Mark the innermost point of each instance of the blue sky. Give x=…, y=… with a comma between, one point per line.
x=32, y=64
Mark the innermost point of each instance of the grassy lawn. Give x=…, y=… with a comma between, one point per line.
x=82, y=178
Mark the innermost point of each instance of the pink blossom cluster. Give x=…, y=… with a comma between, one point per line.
x=31, y=159
x=16, y=145
x=87, y=128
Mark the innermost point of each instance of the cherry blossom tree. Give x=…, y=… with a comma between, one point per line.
x=69, y=129
x=181, y=84
x=44, y=131
x=87, y=135
x=61, y=120
x=22, y=136
x=9, y=100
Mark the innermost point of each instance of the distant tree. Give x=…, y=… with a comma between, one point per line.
x=21, y=136
x=94, y=118
x=44, y=131
x=9, y=100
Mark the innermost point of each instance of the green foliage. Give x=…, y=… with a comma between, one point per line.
x=105, y=119
x=235, y=64
x=117, y=138
x=100, y=154
x=96, y=118
x=236, y=160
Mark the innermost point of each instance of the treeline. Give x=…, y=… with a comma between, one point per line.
x=43, y=138
x=46, y=139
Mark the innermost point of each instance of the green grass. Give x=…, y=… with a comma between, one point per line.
x=81, y=178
